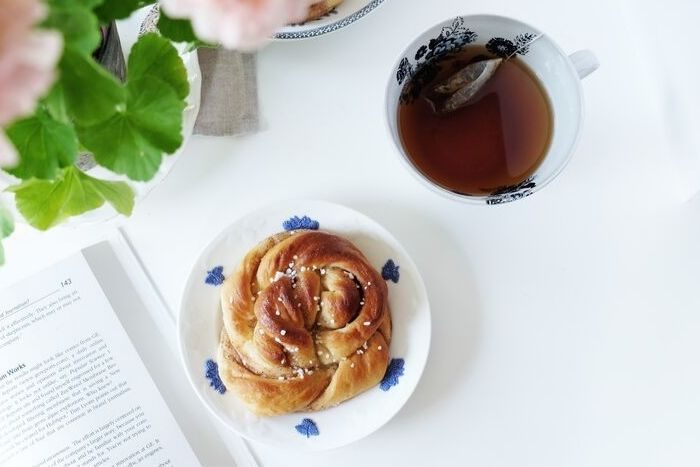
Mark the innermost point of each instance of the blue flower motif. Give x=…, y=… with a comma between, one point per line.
x=212, y=374
x=300, y=223
x=390, y=272
x=307, y=427
x=501, y=47
x=215, y=276
x=393, y=372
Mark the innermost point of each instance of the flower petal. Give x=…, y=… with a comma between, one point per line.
x=237, y=24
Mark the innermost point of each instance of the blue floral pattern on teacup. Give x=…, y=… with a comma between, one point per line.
x=506, y=48
x=416, y=75
x=451, y=39
x=512, y=193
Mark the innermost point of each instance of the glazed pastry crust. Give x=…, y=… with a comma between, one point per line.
x=306, y=324
x=321, y=8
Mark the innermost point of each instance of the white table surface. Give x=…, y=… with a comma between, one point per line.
x=566, y=327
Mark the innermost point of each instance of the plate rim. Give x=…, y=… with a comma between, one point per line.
x=330, y=27
x=191, y=280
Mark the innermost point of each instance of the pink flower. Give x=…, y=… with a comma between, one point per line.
x=237, y=24
x=28, y=59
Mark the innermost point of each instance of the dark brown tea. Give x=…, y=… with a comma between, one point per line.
x=496, y=141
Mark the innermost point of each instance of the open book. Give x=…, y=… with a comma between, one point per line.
x=88, y=374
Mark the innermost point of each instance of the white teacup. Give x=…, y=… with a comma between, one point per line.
x=559, y=73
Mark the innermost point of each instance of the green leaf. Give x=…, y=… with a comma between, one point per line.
x=44, y=144
x=91, y=93
x=133, y=156
x=89, y=4
x=150, y=124
x=155, y=56
x=118, y=194
x=149, y=121
x=78, y=25
x=55, y=104
x=157, y=112
x=119, y=9
x=7, y=226
x=47, y=203
x=177, y=30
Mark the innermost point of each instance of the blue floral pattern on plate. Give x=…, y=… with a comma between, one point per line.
x=215, y=276
x=390, y=272
x=211, y=372
x=393, y=372
x=307, y=428
x=300, y=223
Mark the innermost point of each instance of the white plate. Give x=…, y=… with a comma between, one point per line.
x=200, y=323
x=343, y=15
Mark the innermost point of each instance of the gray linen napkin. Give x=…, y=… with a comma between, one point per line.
x=229, y=103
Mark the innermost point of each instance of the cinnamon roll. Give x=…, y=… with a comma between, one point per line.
x=306, y=324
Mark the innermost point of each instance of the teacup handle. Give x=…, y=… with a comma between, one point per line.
x=585, y=62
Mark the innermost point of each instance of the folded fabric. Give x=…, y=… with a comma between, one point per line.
x=229, y=102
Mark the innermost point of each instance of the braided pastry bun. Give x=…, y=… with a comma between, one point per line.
x=306, y=324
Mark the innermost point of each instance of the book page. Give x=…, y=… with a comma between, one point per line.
x=73, y=390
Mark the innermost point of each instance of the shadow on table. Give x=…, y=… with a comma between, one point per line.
x=454, y=301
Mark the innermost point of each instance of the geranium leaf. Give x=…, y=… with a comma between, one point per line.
x=155, y=56
x=55, y=104
x=44, y=144
x=118, y=194
x=177, y=30
x=133, y=156
x=157, y=111
x=119, y=9
x=7, y=226
x=89, y=4
x=78, y=25
x=150, y=125
x=46, y=203
x=91, y=93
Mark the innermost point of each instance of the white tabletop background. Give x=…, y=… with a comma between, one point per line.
x=566, y=327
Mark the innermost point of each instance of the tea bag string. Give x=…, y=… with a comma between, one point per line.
x=525, y=46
